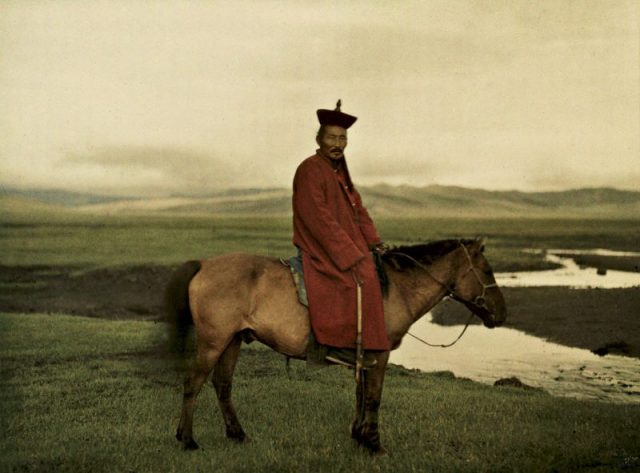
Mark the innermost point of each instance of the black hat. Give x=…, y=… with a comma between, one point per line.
x=335, y=117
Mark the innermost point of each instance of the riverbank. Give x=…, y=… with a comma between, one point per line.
x=600, y=320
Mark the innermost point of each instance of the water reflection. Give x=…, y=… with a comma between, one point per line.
x=571, y=275
x=487, y=355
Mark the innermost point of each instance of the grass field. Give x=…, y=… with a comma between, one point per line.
x=89, y=241
x=89, y=395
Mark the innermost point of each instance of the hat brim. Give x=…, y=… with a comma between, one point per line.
x=334, y=117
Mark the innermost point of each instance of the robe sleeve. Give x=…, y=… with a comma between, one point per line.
x=367, y=226
x=309, y=204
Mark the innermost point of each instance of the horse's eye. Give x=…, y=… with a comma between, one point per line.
x=488, y=272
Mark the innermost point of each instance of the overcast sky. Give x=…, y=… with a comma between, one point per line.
x=161, y=97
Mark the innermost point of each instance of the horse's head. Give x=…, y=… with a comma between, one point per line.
x=476, y=287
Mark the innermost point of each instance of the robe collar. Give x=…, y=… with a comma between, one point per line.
x=339, y=166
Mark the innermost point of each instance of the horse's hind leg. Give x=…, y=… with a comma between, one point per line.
x=222, y=378
x=205, y=361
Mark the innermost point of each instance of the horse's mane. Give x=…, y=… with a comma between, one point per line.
x=405, y=257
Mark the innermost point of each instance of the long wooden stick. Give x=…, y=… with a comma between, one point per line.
x=359, y=352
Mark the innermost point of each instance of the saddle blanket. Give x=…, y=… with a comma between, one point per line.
x=295, y=265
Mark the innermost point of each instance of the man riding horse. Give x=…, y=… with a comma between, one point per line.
x=335, y=235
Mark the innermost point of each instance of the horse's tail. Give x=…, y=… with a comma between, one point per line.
x=176, y=303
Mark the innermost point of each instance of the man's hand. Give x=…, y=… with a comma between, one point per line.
x=356, y=275
x=381, y=248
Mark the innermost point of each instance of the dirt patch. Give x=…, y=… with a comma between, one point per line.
x=604, y=262
x=114, y=293
x=514, y=382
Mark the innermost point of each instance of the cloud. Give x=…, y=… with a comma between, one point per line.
x=149, y=169
x=170, y=96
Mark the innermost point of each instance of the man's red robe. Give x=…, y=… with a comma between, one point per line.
x=335, y=232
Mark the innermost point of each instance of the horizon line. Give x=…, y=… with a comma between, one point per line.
x=123, y=194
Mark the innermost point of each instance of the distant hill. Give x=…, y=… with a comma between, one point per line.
x=57, y=197
x=452, y=201
x=13, y=206
x=381, y=200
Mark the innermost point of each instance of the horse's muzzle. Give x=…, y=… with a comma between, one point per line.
x=496, y=319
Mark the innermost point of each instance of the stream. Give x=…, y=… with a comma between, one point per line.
x=571, y=274
x=488, y=355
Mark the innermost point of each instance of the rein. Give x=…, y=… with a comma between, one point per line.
x=438, y=345
x=478, y=301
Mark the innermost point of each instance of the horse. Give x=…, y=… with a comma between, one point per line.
x=239, y=297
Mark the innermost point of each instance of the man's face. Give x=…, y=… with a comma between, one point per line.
x=333, y=142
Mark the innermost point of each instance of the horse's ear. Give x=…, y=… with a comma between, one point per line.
x=480, y=242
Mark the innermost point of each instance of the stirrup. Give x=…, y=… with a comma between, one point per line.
x=346, y=357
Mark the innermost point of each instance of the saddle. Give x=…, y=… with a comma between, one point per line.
x=295, y=265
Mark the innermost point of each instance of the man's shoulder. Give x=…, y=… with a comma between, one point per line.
x=314, y=162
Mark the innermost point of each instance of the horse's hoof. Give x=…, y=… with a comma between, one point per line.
x=191, y=445
x=238, y=438
x=371, y=444
x=179, y=435
x=237, y=435
x=378, y=451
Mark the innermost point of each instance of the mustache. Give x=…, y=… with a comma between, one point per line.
x=335, y=148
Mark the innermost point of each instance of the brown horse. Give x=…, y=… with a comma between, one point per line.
x=238, y=297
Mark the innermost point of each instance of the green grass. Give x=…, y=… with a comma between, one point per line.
x=91, y=395
x=140, y=240
x=90, y=241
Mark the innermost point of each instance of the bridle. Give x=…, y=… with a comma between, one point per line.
x=479, y=301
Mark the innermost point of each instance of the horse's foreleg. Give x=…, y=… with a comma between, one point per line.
x=366, y=432
x=222, y=378
x=205, y=361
